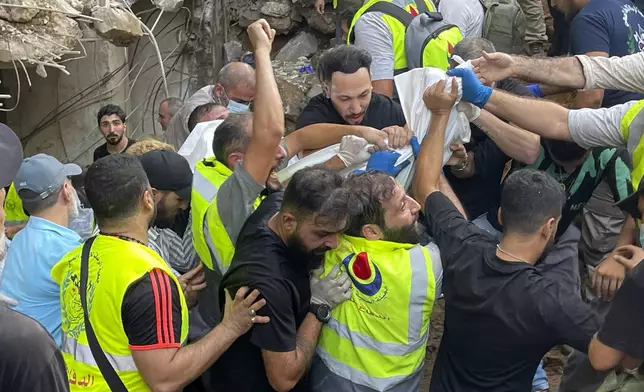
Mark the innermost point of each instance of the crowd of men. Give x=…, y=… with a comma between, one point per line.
x=147, y=271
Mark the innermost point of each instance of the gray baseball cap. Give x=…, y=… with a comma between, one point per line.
x=10, y=155
x=43, y=175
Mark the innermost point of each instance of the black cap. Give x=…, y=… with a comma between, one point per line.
x=168, y=171
x=629, y=204
x=10, y=155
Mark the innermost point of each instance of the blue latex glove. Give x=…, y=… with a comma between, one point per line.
x=474, y=91
x=384, y=161
x=535, y=89
x=415, y=146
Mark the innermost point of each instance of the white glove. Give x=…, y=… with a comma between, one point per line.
x=470, y=111
x=353, y=150
x=331, y=290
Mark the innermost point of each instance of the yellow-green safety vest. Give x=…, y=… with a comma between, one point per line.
x=632, y=127
x=208, y=177
x=114, y=265
x=437, y=60
x=14, y=214
x=378, y=339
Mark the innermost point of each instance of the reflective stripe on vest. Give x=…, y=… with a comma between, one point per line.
x=212, y=249
x=204, y=187
x=397, y=31
x=370, y=361
x=82, y=353
x=632, y=128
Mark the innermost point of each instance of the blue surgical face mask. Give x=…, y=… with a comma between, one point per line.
x=236, y=107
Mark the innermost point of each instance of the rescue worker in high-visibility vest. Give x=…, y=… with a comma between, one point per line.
x=377, y=341
x=383, y=36
x=617, y=126
x=15, y=217
x=134, y=302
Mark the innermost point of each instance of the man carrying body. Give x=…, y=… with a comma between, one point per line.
x=234, y=89
x=349, y=101
x=362, y=346
x=206, y=112
x=135, y=304
x=48, y=196
x=494, y=287
x=167, y=109
x=111, y=122
x=282, y=241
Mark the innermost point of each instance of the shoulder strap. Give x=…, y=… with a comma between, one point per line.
x=390, y=9
x=109, y=374
x=421, y=6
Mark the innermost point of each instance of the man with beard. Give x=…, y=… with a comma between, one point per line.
x=134, y=303
x=49, y=198
x=501, y=313
x=348, y=101
x=23, y=340
x=392, y=274
x=278, y=247
x=111, y=122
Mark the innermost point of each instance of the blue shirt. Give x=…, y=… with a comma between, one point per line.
x=27, y=271
x=615, y=27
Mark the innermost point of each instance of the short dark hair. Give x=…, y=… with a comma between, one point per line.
x=114, y=186
x=231, y=136
x=370, y=189
x=564, y=151
x=33, y=204
x=347, y=59
x=174, y=104
x=528, y=199
x=199, y=112
x=318, y=191
x=109, y=110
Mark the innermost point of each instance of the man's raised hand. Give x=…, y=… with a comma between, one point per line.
x=492, y=67
x=261, y=35
x=439, y=101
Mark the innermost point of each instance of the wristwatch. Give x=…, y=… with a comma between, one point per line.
x=322, y=312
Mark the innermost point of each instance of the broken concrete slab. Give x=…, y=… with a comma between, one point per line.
x=303, y=44
x=233, y=51
x=20, y=15
x=168, y=5
x=118, y=26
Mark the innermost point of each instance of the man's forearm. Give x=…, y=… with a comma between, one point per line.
x=430, y=159
x=192, y=360
x=538, y=116
x=315, y=136
x=445, y=188
x=283, y=376
x=561, y=71
x=268, y=111
x=515, y=142
x=628, y=233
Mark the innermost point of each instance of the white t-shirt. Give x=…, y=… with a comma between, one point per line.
x=468, y=15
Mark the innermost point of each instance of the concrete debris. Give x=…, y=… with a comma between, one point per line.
x=118, y=26
x=293, y=86
x=278, y=15
x=233, y=51
x=168, y=5
x=303, y=44
x=44, y=38
x=325, y=24
x=20, y=15
x=41, y=71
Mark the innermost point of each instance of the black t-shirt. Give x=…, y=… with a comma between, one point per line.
x=151, y=312
x=101, y=151
x=29, y=357
x=262, y=261
x=382, y=112
x=623, y=328
x=500, y=317
x=481, y=192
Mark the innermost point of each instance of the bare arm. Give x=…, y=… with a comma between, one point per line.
x=268, y=118
x=515, y=142
x=384, y=87
x=590, y=98
x=284, y=370
x=315, y=136
x=539, y=116
x=446, y=189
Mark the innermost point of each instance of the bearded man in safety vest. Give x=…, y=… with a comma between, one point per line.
x=377, y=340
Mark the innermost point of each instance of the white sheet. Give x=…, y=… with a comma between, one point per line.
x=411, y=86
x=198, y=145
